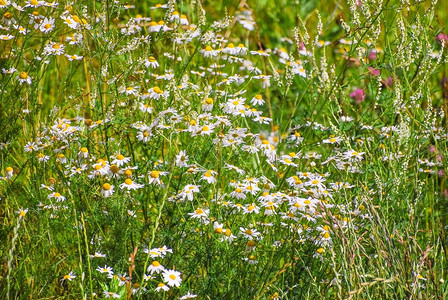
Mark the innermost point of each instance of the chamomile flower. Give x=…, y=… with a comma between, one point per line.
x=182, y=159
x=23, y=77
x=155, y=267
x=61, y=158
x=201, y=214
x=147, y=277
x=130, y=185
x=120, y=160
x=146, y=108
x=295, y=182
x=6, y=37
x=22, y=212
x=56, y=196
x=9, y=172
x=154, y=177
x=207, y=104
x=70, y=276
x=54, y=48
x=259, y=52
x=33, y=3
x=70, y=22
x=159, y=5
x=151, y=62
x=257, y=100
x=162, y=287
x=107, y=190
x=172, y=277
x=209, y=176
x=351, y=155
x=209, y=52
x=98, y=255
x=237, y=194
x=188, y=295
x=21, y=29
x=83, y=153
x=42, y=157
x=144, y=134
x=74, y=57
x=108, y=294
x=251, y=209
x=184, y=20
x=105, y=269
x=250, y=233
x=332, y=140
x=47, y=25
x=5, y=3
x=154, y=27
x=316, y=181
x=188, y=192
x=9, y=71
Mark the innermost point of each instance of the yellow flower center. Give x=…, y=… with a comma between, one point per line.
x=155, y=263
x=76, y=19
x=325, y=235
x=23, y=75
x=157, y=90
x=106, y=186
x=199, y=211
x=154, y=174
x=128, y=181
x=114, y=169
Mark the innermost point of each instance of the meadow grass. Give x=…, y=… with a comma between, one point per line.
x=223, y=149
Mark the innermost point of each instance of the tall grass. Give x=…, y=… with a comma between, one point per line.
x=223, y=150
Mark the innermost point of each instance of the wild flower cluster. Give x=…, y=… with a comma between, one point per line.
x=163, y=151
